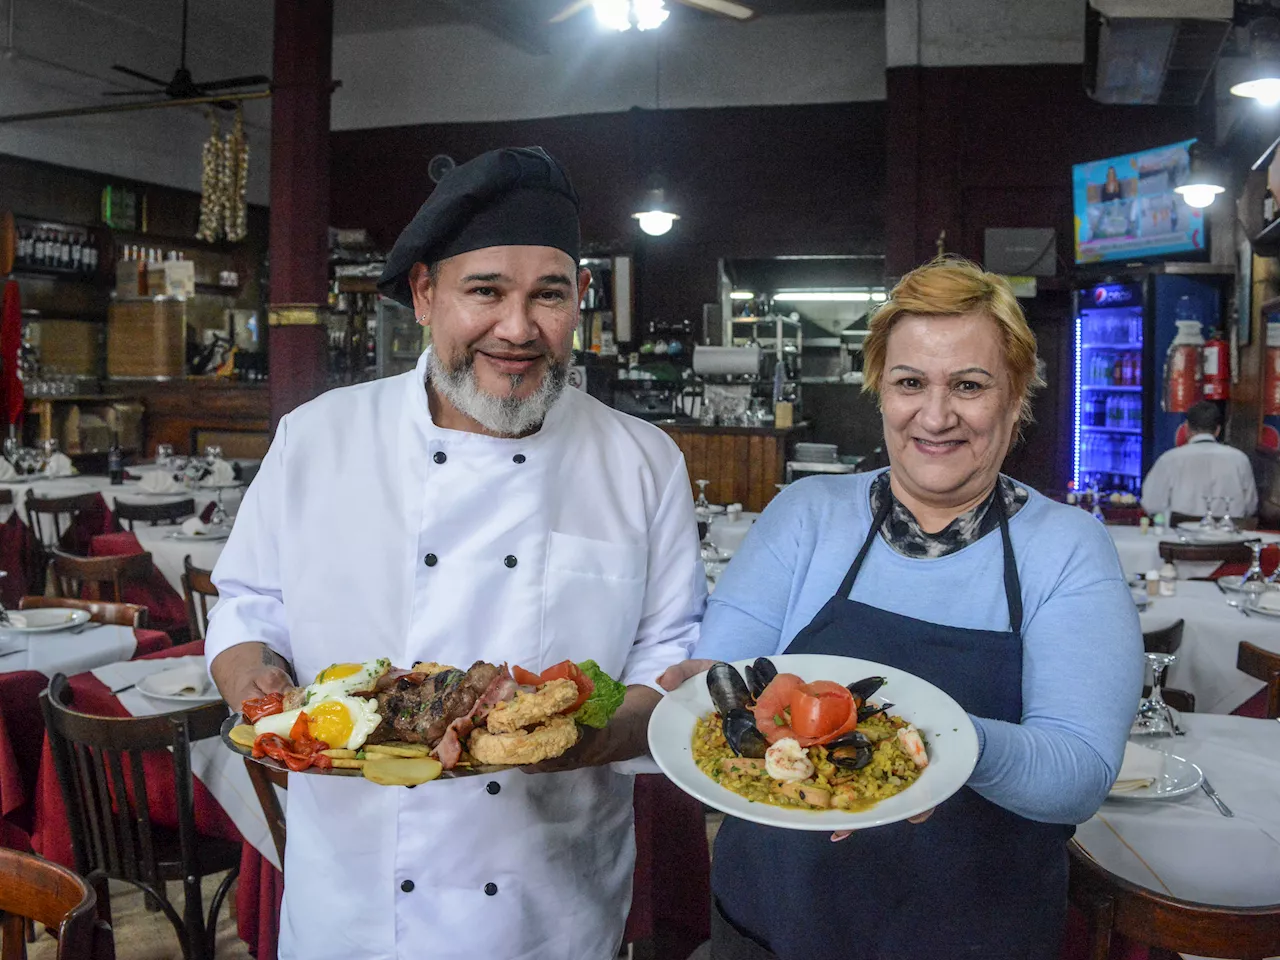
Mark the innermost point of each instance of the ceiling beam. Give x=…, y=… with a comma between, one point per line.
x=516, y=28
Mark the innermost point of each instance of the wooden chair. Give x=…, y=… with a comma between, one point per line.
x=109, y=812
x=51, y=517
x=197, y=588
x=74, y=576
x=1265, y=666
x=32, y=888
x=1205, y=552
x=6, y=497
x=121, y=614
x=1242, y=523
x=263, y=780
x=1167, y=925
x=154, y=513
x=1165, y=640
x=1184, y=701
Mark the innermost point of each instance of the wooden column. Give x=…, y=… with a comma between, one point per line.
x=302, y=84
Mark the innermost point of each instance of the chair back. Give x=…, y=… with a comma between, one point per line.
x=99, y=762
x=35, y=889
x=1112, y=905
x=1265, y=666
x=197, y=589
x=153, y=513
x=121, y=614
x=77, y=576
x=6, y=497
x=264, y=780
x=1165, y=640
x=51, y=517
x=1184, y=701
x=1205, y=552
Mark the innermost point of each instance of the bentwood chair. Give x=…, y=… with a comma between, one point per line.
x=51, y=517
x=121, y=614
x=1265, y=666
x=265, y=780
x=197, y=590
x=1167, y=925
x=1204, y=552
x=1242, y=523
x=32, y=888
x=1165, y=640
x=154, y=513
x=100, y=767
x=102, y=578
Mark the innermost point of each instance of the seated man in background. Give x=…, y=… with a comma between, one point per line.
x=1183, y=477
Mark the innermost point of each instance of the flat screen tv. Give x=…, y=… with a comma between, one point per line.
x=1125, y=207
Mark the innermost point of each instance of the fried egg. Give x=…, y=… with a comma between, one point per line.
x=344, y=723
x=340, y=679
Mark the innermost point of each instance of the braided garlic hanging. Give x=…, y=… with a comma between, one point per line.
x=210, y=184
x=237, y=180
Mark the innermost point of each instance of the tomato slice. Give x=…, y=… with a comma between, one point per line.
x=772, y=706
x=526, y=678
x=568, y=670
x=259, y=707
x=820, y=708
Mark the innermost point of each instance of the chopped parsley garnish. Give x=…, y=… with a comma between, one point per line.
x=779, y=721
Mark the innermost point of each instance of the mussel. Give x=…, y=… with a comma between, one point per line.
x=728, y=690
x=759, y=675
x=744, y=738
x=869, y=710
x=865, y=688
x=853, y=751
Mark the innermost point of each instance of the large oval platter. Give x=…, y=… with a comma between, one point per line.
x=952, y=745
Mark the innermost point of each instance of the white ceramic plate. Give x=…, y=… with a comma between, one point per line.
x=45, y=620
x=220, y=533
x=147, y=686
x=952, y=744
x=1232, y=583
x=1180, y=776
x=1196, y=534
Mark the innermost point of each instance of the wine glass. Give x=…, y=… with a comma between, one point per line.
x=164, y=455
x=1207, y=522
x=1155, y=717
x=11, y=448
x=219, y=517
x=1225, y=524
x=702, y=503
x=212, y=453
x=1253, y=583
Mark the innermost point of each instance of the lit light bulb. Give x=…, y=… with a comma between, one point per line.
x=1198, y=195
x=742, y=295
x=613, y=14
x=650, y=14
x=1265, y=90
x=655, y=222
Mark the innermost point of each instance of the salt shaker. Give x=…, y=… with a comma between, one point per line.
x=1153, y=582
x=1168, y=580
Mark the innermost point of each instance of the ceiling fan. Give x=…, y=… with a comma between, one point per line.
x=723, y=8
x=183, y=85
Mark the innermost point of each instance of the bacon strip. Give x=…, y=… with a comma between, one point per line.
x=449, y=750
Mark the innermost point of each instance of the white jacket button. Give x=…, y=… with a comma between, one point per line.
x=490, y=889
x=510, y=561
x=493, y=786
x=407, y=886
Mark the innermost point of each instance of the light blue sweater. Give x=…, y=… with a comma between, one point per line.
x=1082, y=662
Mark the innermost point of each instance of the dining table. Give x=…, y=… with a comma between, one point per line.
x=1139, y=549
x=169, y=546
x=1211, y=635
x=1183, y=846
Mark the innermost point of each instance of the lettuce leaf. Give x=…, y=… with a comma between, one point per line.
x=604, y=701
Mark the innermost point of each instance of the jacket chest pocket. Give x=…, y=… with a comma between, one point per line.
x=593, y=599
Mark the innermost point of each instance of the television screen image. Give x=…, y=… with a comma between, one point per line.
x=1125, y=207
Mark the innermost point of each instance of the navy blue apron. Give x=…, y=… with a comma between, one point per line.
x=974, y=880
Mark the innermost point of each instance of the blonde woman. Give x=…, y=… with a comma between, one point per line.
x=941, y=566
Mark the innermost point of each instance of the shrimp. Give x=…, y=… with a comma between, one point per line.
x=912, y=744
x=787, y=761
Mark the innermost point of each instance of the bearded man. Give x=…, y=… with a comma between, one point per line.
x=471, y=510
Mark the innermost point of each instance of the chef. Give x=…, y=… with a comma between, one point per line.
x=473, y=509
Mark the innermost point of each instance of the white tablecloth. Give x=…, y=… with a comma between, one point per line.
x=1183, y=846
x=1212, y=631
x=167, y=553
x=1140, y=552
x=217, y=767
x=66, y=652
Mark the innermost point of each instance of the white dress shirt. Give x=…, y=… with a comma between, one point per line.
x=371, y=532
x=1181, y=478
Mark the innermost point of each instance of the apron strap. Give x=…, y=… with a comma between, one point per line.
x=1012, y=583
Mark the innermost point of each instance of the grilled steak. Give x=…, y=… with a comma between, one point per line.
x=421, y=711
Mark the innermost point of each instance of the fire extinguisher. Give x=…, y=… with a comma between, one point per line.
x=1217, y=368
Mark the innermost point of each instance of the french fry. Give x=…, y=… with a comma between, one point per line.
x=242, y=735
x=405, y=750
x=343, y=763
x=398, y=772
x=337, y=754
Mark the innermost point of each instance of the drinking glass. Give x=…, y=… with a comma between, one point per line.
x=49, y=448
x=212, y=452
x=702, y=503
x=219, y=517
x=164, y=455
x=1207, y=522
x=11, y=447
x=1253, y=583
x=1225, y=524
x=1155, y=717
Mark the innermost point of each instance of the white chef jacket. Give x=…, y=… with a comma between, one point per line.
x=371, y=532
x=1202, y=467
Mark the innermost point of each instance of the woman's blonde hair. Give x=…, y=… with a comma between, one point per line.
x=948, y=287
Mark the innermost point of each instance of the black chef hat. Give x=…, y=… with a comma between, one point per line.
x=513, y=196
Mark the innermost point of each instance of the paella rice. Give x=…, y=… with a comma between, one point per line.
x=890, y=770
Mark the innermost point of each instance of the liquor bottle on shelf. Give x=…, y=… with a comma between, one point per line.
x=115, y=461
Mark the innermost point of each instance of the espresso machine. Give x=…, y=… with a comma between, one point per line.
x=735, y=385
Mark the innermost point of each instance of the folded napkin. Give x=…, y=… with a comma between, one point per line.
x=7, y=473
x=1140, y=768
x=158, y=481
x=59, y=465
x=188, y=680
x=194, y=527
x=221, y=472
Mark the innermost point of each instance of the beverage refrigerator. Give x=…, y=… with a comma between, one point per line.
x=1137, y=369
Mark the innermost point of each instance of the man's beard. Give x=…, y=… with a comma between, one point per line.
x=506, y=416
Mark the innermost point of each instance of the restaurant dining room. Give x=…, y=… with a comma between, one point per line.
x=881, y=400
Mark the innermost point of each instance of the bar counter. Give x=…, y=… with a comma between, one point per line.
x=193, y=412
x=743, y=464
